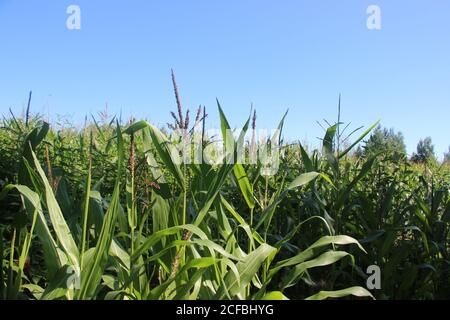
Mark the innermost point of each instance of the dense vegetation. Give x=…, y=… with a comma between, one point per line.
x=106, y=212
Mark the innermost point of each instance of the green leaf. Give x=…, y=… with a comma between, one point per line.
x=324, y=259
x=59, y=224
x=355, y=291
x=135, y=127
x=274, y=295
x=310, y=251
x=367, y=166
x=238, y=169
x=306, y=160
x=247, y=271
x=358, y=140
x=213, y=190
x=52, y=258
x=32, y=140
x=244, y=185
x=278, y=132
x=59, y=284
x=328, y=149
x=157, y=236
x=162, y=145
x=302, y=180
x=93, y=269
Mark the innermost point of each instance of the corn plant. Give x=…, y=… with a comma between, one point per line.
x=118, y=211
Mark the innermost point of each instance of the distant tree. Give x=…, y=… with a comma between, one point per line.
x=425, y=151
x=447, y=156
x=385, y=141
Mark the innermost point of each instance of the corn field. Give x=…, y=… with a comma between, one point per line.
x=109, y=212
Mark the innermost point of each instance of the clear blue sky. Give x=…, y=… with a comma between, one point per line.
x=275, y=54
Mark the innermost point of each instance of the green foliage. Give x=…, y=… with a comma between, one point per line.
x=425, y=151
x=447, y=156
x=109, y=213
x=386, y=141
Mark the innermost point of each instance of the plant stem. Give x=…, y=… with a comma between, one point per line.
x=11, y=253
x=184, y=196
x=86, y=212
x=11, y=265
x=250, y=245
x=133, y=216
x=265, y=192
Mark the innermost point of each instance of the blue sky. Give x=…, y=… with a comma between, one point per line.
x=275, y=54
